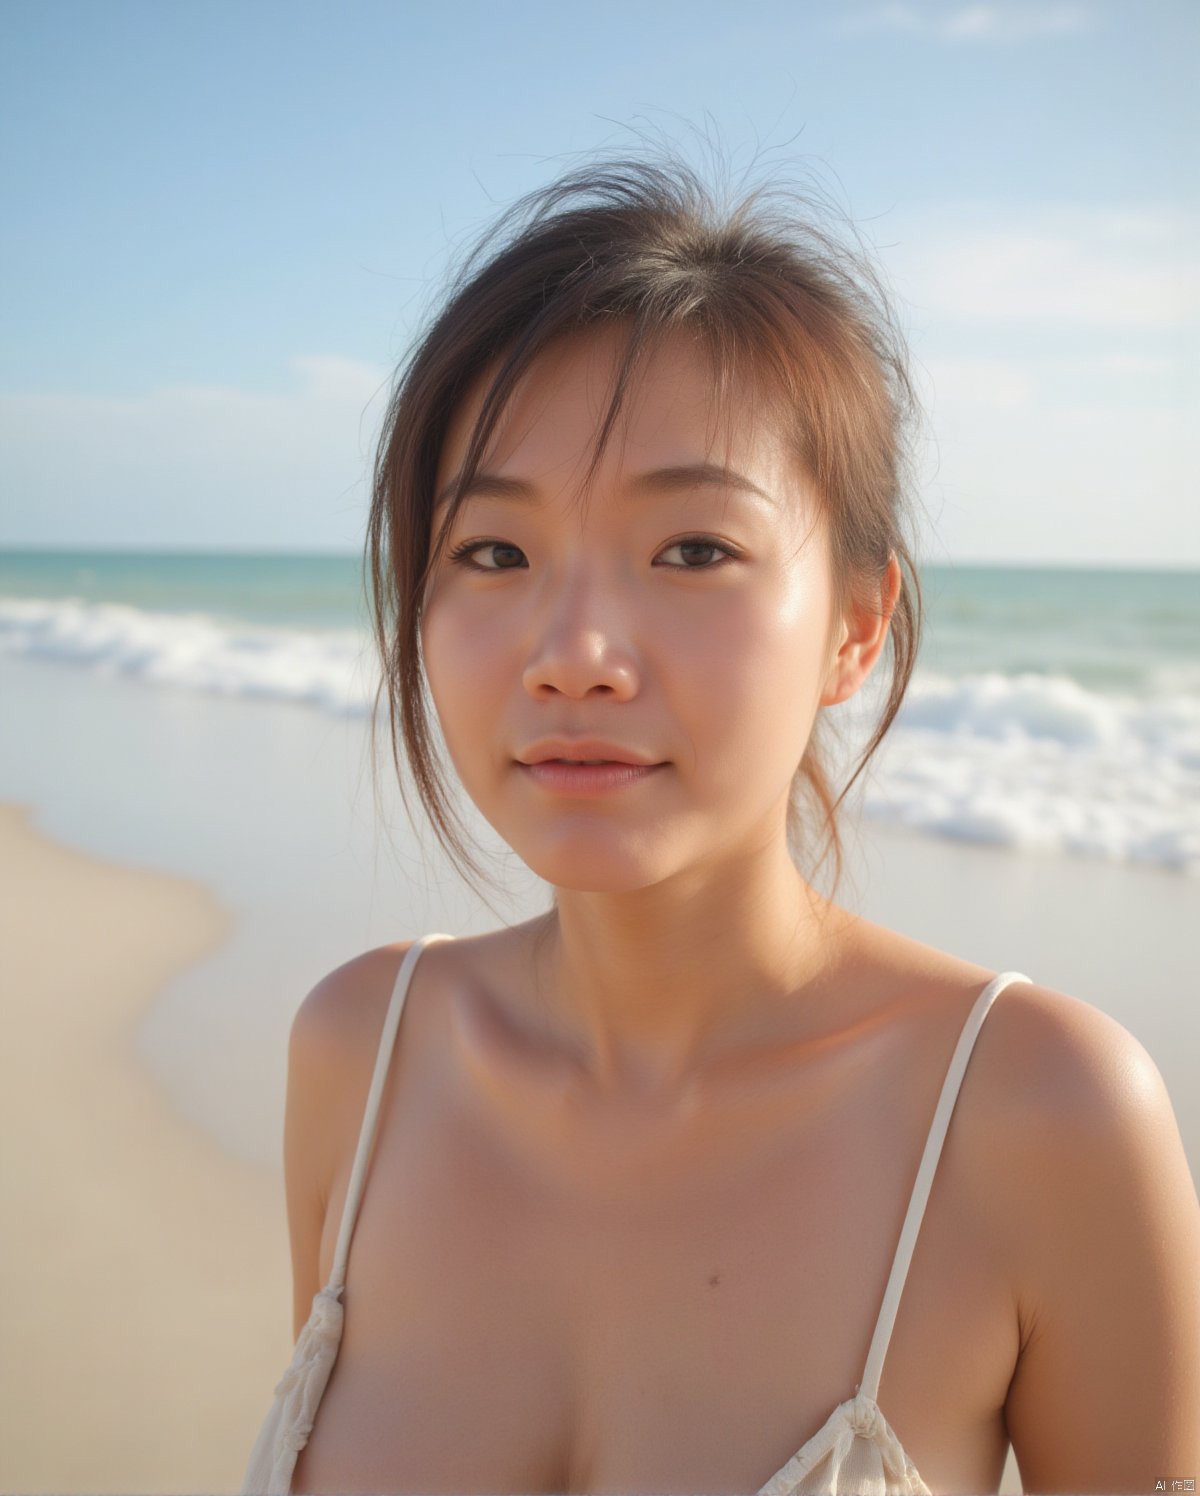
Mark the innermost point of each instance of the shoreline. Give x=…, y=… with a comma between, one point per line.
x=154, y=1307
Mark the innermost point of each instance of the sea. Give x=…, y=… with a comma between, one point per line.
x=1051, y=709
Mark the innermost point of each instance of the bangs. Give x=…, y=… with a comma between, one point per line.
x=733, y=365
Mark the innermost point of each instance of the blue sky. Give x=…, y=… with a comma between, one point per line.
x=224, y=221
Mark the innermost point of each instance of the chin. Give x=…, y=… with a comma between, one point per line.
x=591, y=869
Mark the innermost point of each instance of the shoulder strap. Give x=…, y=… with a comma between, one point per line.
x=366, y=1136
x=929, y=1162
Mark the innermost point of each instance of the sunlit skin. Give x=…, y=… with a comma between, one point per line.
x=683, y=923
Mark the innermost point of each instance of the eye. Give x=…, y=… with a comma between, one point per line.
x=461, y=554
x=694, y=543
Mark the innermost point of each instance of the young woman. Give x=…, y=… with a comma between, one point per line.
x=663, y=1192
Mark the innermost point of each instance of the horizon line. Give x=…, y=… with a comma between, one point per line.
x=304, y=553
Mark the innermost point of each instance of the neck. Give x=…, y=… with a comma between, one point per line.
x=644, y=991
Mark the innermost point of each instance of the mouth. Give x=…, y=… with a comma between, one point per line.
x=590, y=762
x=587, y=777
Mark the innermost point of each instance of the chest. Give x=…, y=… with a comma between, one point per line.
x=668, y=1329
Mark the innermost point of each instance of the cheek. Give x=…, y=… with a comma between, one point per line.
x=747, y=683
x=754, y=650
x=460, y=655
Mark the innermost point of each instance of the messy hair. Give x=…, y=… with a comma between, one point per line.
x=769, y=295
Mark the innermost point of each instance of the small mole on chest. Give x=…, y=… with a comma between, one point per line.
x=714, y=1280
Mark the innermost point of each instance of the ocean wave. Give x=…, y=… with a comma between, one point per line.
x=1041, y=763
x=332, y=670
x=1026, y=760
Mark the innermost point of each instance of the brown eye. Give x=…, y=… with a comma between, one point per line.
x=690, y=545
x=462, y=554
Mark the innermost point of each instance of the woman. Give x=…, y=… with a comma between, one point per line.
x=663, y=1194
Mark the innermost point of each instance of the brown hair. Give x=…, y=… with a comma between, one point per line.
x=770, y=294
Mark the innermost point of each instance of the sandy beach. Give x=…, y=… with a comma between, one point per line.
x=147, y=1304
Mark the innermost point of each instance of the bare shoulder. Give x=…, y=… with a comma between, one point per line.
x=347, y=1005
x=1049, y=1057
x=1067, y=1096
x=1094, y=1211
x=331, y=1048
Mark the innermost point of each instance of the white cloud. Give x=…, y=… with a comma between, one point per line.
x=1135, y=364
x=330, y=377
x=1102, y=482
x=1054, y=456
x=1049, y=455
x=1004, y=23
x=961, y=389
x=976, y=23
x=993, y=382
x=1089, y=266
x=195, y=463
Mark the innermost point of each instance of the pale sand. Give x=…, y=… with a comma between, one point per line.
x=146, y=1282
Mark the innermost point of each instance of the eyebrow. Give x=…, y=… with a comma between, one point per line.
x=661, y=480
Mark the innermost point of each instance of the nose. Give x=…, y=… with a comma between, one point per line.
x=581, y=646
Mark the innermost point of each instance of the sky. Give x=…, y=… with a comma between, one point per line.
x=224, y=222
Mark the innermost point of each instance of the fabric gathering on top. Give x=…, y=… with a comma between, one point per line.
x=854, y=1450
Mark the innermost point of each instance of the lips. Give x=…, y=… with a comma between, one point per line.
x=587, y=780
x=585, y=750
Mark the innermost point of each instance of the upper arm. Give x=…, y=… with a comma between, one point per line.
x=333, y=1037
x=1106, y=1391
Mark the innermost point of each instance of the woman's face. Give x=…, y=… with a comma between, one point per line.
x=676, y=613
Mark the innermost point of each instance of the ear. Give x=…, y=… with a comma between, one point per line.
x=863, y=634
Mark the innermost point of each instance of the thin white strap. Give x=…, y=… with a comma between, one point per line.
x=366, y=1136
x=929, y=1162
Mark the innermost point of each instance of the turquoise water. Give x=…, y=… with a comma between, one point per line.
x=300, y=591
x=1103, y=629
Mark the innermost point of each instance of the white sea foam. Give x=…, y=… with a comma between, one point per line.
x=1030, y=761
x=1039, y=762
x=328, y=669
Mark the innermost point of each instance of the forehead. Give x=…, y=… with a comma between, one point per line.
x=670, y=415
